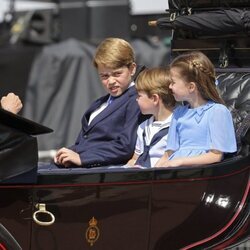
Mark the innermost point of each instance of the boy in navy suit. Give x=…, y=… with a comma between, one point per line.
x=108, y=133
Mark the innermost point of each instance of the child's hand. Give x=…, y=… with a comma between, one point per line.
x=67, y=157
x=169, y=163
x=175, y=163
x=162, y=162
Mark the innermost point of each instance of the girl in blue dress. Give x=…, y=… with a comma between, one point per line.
x=202, y=130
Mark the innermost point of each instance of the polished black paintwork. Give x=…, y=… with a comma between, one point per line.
x=135, y=208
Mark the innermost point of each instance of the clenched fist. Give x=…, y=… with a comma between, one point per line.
x=12, y=103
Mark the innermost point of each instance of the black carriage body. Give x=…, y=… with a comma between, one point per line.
x=132, y=209
x=202, y=207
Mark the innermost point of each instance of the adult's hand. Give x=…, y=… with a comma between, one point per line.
x=12, y=103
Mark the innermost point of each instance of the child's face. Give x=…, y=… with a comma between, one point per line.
x=116, y=81
x=145, y=103
x=178, y=86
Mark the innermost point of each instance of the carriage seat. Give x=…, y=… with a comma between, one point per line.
x=234, y=88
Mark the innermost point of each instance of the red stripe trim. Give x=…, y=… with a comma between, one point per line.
x=226, y=226
x=232, y=240
x=2, y=247
x=121, y=183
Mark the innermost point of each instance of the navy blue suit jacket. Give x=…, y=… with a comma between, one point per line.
x=111, y=136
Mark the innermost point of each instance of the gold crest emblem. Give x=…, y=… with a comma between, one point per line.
x=92, y=232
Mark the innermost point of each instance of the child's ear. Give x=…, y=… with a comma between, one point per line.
x=192, y=86
x=155, y=98
x=133, y=69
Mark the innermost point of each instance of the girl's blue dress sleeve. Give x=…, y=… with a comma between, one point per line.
x=221, y=129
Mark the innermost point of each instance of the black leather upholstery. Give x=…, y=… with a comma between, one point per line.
x=234, y=88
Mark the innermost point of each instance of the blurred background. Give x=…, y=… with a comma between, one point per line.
x=46, y=50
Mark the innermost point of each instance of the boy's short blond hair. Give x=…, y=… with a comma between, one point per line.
x=156, y=81
x=114, y=53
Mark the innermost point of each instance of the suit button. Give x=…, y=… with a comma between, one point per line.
x=85, y=136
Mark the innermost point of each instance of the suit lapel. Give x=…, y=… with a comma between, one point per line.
x=91, y=109
x=116, y=104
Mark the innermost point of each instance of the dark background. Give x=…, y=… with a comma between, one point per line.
x=88, y=23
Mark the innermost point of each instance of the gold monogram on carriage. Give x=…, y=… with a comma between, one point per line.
x=92, y=232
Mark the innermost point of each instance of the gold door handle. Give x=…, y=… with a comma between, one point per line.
x=42, y=210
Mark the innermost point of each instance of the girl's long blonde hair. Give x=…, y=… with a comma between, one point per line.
x=196, y=67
